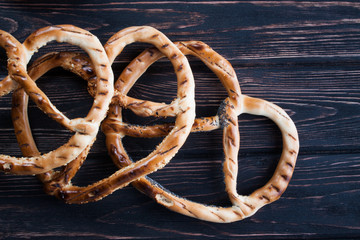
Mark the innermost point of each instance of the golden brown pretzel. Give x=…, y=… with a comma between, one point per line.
x=234, y=105
x=242, y=206
x=85, y=128
x=77, y=63
x=171, y=143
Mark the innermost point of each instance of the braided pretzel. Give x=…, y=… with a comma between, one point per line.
x=234, y=105
x=172, y=142
x=85, y=128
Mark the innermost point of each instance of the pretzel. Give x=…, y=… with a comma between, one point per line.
x=172, y=142
x=77, y=63
x=85, y=128
x=242, y=206
x=234, y=105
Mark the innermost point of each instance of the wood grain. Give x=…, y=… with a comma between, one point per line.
x=302, y=55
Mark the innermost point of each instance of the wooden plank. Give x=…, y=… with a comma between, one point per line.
x=304, y=92
x=302, y=55
x=321, y=202
x=249, y=30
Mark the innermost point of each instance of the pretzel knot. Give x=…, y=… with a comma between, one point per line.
x=86, y=128
x=58, y=183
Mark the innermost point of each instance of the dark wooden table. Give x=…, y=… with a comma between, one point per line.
x=302, y=56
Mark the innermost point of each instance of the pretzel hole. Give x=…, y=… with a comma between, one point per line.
x=97, y=165
x=139, y=147
x=209, y=92
x=3, y=64
x=158, y=83
x=68, y=92
x=8, y=140
x=257, y=164
x=196, y=173
x=129, y=53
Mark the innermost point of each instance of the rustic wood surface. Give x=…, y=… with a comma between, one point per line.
x=303, y=56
